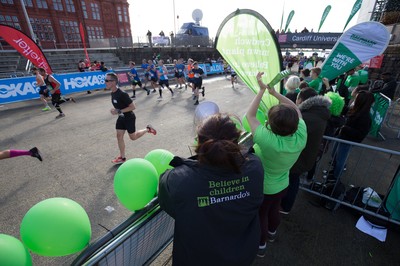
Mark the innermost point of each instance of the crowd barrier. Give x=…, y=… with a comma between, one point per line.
x=142, y=237
x=25, y=88
x=392, y=119
x=366, y=167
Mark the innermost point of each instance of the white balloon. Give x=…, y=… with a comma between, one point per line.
x=204, y=110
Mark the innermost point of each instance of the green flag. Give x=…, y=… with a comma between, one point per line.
x=356, y=45
x=324, y=15
x=283, y=11
x=249, y=45
x=291, y=14
x=378, y=112
x=354, y=10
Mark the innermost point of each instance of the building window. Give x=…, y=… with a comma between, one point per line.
x=119, y=11
x=69, y=5
x=128, y=32
x=126, y=14
x=42, y=29
x=28, y=3
x=95, y=11
x=41, y=4
x=95, y=32
x=122, y=32
x=70, y=30
x=10, y=2
x=58, y=5
x=10, y=21
x=85, y=15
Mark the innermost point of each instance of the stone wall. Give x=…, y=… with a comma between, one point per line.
x=200, y=54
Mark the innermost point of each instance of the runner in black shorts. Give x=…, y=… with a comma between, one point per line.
x=123, y=107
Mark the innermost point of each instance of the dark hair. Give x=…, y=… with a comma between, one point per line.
x=362, y=103
x=218, y=145
x=112, y=74
x=386, y=74
x=306, y=93
x=316, y=70
x=283, y=119
x=306, y=72
x=303, y=85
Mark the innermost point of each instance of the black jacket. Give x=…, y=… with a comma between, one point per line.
x=388, y=88
x=356, y=127
x=315, y=112
x=215, y=212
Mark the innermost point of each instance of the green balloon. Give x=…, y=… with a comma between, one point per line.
x=260, y=117
x=160, y=159
x=56, y=227
x=13, y=252
x=135, y=183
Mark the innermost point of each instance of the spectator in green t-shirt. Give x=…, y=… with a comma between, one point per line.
x=278, y=144
x=352, y=80
x=316, y=82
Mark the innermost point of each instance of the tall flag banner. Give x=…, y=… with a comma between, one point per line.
x=324, y=15
x=291, y=14
x=25, y=46
x=356, y=45
x=354, y=10
x=82, y=32
x=249, y=45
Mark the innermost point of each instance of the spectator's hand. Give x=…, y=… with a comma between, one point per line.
x=262, y=85
x=326, y=82
x=114, y=111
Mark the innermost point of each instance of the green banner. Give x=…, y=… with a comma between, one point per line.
x=356, y=45
x=378, y=113
x=393, y=197
x=324, y=15
x=289, y=19
x=249, y=45
x=354, y=10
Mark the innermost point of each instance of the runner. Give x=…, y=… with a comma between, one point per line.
x=197, y=81
x=181, y=73
x=123, y=107
x=135, y=80
x=53, y=86
x=34, y=152
x=146, y=78
x=190, y=74
x=152, y=75
x=162, y=74
x=43, y=92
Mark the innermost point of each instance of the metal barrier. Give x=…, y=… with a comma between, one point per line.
x=365, y=166
x=137, y=241
x=392, y=119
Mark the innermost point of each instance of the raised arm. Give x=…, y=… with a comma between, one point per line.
x=251, y=113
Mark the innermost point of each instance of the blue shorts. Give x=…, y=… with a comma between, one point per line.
x=42, y=91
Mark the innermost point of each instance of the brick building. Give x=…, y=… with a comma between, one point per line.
x=55, y=23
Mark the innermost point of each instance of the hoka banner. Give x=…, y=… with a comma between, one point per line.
x=25, y=46
x=249, y=45
x=358, y=44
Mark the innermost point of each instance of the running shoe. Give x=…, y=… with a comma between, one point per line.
x=203, y=91
x=271, y=236
x=196, y=102
x=133, y=97
x=47, y=108
x=151, y=129
x=172, y=95
x=60, y=116
x=148, y=92
x=159, y=98
x=72, y=99
x=36, y=153
x=262, y=250
x=154, y=91
x=118, y=160
x=176, y=86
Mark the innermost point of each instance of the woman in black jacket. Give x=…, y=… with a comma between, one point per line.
x=214, y=199
x=356, y=128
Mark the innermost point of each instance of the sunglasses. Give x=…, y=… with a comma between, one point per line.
x=108, y=80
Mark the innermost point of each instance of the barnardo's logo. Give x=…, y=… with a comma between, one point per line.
x=83, y=82
x=224, y=191
x=362, y=40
